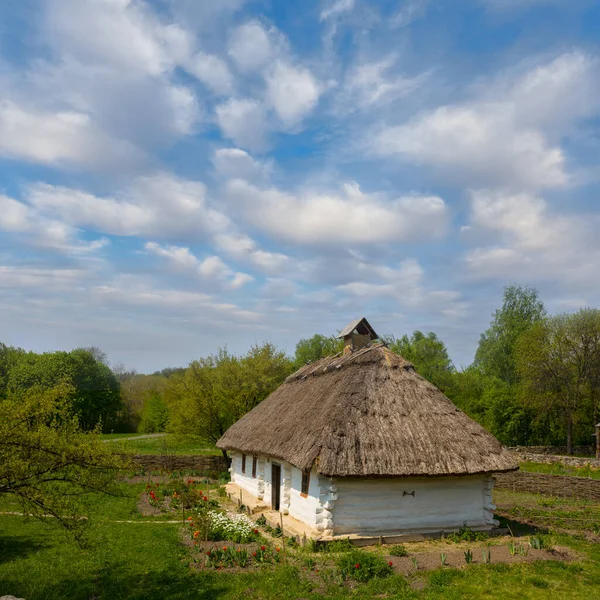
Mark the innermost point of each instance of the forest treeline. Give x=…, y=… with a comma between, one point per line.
x=535, y=378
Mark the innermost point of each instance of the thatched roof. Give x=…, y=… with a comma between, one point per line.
x=367, y=413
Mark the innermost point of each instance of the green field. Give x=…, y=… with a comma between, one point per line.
x=560, y=469
x=165, y=444
x=145, y=559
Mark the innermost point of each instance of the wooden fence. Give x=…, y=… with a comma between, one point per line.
x=177, y=462
x=562, y=486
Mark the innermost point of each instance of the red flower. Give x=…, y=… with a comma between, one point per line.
x=357, y=566
x=208, y=553
x=224, y=548
x=196, y=534
x=391, y=563
x=195, y=543
x=263, y=548
x=277, y=549
x=190, y=482
x=256, y=531
x=254, y=554
x=205, y=498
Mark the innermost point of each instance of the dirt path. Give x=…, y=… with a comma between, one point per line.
x=137, y=437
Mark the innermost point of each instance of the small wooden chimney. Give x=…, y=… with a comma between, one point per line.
x=357, y=335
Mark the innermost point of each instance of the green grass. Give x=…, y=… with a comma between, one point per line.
x=168, y=444
x=145, y=561
x=560, y=469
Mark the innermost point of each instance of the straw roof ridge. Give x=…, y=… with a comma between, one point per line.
x=366, y=413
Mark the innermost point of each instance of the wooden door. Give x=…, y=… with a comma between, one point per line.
x=275, y=485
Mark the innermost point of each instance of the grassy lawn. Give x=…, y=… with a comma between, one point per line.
x=145, y=559
x=167, y=444
x=559, y=469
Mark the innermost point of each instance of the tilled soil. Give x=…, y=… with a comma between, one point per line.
x=427, y=561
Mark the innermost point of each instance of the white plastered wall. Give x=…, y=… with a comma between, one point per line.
x=387, y=505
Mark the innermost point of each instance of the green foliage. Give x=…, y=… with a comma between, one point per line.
x=559, y=364
x=216, y=391
x=363, y=566
x=398, y=550
x=468, y=556
x=443, y=558
x=521, y=308
x=155, y=415
x=429, y=356
x=95, y=395
x=47, y=463
x=466, y=534
x=318, y=346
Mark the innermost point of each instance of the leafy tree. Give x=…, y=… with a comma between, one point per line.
x=558, y=359
x=155, y=415
x=95, y=388
x=217, y=390
x=521, y=308
x=46, y=462
x=318, y=346
x=429, y=356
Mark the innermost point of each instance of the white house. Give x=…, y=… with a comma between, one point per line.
x=359, y=444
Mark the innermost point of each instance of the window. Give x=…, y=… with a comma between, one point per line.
x=243, y=463
x=254, y=461
x=305, y=482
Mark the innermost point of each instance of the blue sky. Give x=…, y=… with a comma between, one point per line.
x=177, y=175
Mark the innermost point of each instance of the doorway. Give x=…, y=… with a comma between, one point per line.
x=275, y=485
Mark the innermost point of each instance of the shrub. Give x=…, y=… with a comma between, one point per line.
x=466, y=534
x=398, y=550
x=237, y=528
x=262, y=520
x=363, y=566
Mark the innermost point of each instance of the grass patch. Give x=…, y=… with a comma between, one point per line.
x=145, y=560
x=167, y=444
x=560, y=469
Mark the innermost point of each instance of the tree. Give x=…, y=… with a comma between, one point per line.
x=429, y=356
x=318, y=346
x=155, y=415
x=558, y=359
x=521, y=308
x=46, y=462
x=96, y=396
x=217, y=390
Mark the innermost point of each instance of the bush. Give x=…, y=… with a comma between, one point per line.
x=398, y=550
x=466, y=534
x=238, y=528
x=363, y=566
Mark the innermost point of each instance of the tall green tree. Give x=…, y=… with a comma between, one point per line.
x=155, y=415
x=216, y=391
x=429, y=356
x=521, y=309
x=558, y=359
x=47, y=463
x=96, y=396
x=318, y=346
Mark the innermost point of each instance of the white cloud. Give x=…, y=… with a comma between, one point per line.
x=251, y=46
x=409, y=11
x=370, y=83
x=155, y=206
x=212, y=71
x=336, y=8
x=120, y=33
x=58, y=137
x=509, y=135
x=243, y=121
x=527, y=240
x=292, y=91
x=349, y=217
x=234, y=163
x=212, y=267
x=243, y=248
x=19, y=218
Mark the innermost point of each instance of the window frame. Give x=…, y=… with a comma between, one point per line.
x=243, y=464
x=305, y=484
x=254, y=466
